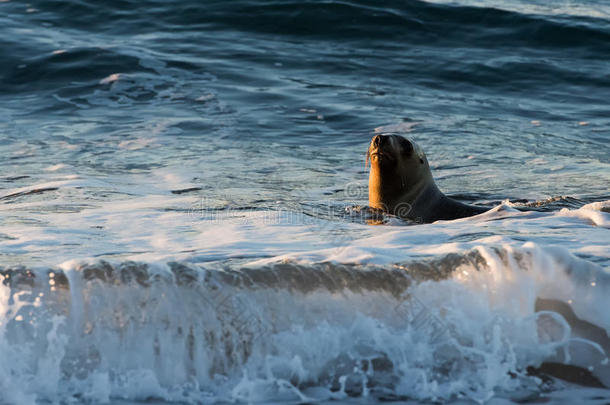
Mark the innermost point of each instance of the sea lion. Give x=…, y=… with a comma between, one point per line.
x=400, y=183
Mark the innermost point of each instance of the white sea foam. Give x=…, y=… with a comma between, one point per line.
x=596, y=9
x=110, y=79
x=152, y=224
x=147, y=333
x=186, y=333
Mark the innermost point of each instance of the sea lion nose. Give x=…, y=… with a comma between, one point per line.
x=379, y=140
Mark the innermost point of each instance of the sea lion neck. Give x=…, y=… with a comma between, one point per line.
x=388, y=190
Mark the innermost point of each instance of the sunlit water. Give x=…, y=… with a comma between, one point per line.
x=183, y=200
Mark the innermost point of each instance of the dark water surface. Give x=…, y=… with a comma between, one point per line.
x=306, y=80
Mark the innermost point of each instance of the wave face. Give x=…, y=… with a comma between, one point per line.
x=462, y=326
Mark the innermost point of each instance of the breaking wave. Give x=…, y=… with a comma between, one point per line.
x=459, y=326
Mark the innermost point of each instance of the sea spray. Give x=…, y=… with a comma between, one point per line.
x=179, y=332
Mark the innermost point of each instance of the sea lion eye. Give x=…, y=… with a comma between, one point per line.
x=407, y=147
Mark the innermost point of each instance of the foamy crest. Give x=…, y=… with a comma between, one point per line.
x=460, y=326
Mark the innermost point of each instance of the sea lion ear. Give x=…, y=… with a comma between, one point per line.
x=419, y=152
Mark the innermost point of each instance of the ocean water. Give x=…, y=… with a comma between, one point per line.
x=183, y=199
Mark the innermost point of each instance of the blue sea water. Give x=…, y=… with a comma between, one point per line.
x=162, y=160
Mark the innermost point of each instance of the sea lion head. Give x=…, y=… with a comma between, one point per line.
x=399, y=173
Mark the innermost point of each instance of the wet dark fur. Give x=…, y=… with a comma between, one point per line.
x=401, y=183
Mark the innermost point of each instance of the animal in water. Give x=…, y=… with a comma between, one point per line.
x=401, y=183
